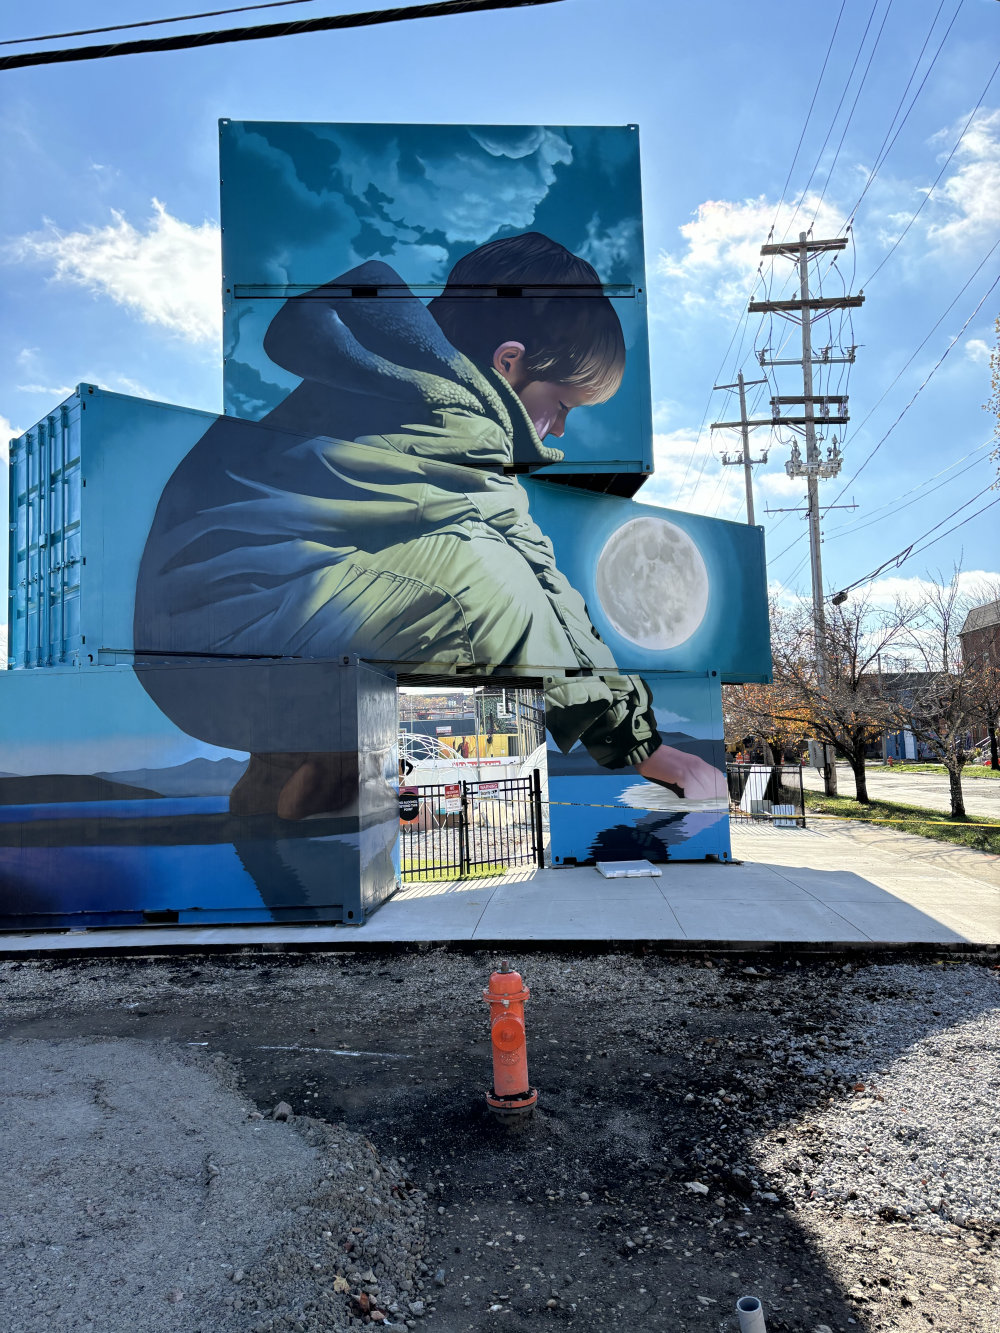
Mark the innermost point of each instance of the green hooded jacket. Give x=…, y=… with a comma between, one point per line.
x=377, y=511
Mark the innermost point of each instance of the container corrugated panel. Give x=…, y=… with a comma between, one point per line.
x=84, y=485
x=45, y=540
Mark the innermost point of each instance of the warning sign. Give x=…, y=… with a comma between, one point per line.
x=488, y=788
x=409, y=804
x=452, y=798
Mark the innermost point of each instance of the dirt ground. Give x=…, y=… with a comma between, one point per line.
x=688, y=1112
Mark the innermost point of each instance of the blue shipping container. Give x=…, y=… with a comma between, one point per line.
x=112, y=815
x=84, y=485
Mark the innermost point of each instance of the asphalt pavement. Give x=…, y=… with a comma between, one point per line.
x=982, y=795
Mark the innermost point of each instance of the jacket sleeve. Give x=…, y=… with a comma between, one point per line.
x=610, y=713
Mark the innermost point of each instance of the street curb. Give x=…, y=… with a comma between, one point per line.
x=782, y=949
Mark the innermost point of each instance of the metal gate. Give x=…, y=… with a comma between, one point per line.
x=471, y=829
x=767, y=794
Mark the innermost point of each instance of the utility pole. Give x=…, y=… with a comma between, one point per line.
x=833, y=411
x=885, y=745
x=745, y=428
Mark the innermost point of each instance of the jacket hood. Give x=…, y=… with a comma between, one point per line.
x=373, y=359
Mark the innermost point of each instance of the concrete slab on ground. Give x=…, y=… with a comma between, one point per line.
x=846, y=883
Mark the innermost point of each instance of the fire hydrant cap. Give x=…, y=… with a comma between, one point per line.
x=505, y=984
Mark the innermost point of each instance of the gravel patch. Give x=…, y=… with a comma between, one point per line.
x=150, y=1194
x=709, y=1127
x=920, y=1142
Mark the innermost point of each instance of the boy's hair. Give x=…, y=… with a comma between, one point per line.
x=548, y=299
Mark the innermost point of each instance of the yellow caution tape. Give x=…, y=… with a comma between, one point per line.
x=910, y=819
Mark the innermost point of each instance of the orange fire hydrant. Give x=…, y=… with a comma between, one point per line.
x=511, y=1094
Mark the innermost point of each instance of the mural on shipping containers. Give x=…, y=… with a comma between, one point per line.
x=416, y=319
x=438, y=216
x=605, y=813
x=378, y=508
x=110, y=814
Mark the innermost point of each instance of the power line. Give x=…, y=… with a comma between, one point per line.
x=887, y=144
x=887, y=504
x=792, y=543
x=295, y=27
x=708, y=404
x=847, y=84
x=907, y=553
x=812, y=104
x=930, y=373
x=758, y=276
x=850, y=114
x=926, y=380
x=947, y=162
x=152, y=23
x=849, y=529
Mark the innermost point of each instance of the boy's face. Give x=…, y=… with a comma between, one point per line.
x=547, y=403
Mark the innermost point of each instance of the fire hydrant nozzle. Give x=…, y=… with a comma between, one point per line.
x=511, y=1094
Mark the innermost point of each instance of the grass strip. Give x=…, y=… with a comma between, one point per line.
x=423, y=872
x=971, y=832
x=904, y=770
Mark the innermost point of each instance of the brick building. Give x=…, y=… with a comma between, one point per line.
x=980, y=638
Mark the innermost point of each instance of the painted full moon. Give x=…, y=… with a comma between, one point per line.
x=652, y=583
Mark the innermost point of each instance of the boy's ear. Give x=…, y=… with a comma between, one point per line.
x=508, y=359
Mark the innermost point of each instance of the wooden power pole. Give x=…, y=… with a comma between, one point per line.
x=746, y=427
x=832, y=410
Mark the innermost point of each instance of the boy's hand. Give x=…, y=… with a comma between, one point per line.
x=696, y=778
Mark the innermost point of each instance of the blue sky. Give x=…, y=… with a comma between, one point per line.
x=109, y=218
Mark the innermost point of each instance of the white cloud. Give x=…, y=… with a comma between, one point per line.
x=607, y=247
x=7, y=433
x=722, y=247
x=971, y=195
x=976, y=584
x=167, y=273
x=689, y=475
x=60, y=392
x=664, y=411
x=978, y=351
x=777, y=484
x=125, y=384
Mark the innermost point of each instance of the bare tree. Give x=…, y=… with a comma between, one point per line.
x=943, y=698
x=771, y=714
x=849, y=710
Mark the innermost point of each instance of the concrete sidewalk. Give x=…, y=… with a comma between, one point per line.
x=850, y=884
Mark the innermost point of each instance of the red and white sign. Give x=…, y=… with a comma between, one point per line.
x=488, y=788
x=452, y=798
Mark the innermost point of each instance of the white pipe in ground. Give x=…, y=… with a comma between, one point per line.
x=751, y=1315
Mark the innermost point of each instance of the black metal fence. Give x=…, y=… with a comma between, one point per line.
x=767, y=794
x=471, y=829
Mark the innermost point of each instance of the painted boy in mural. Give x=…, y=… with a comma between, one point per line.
x=376, y=510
